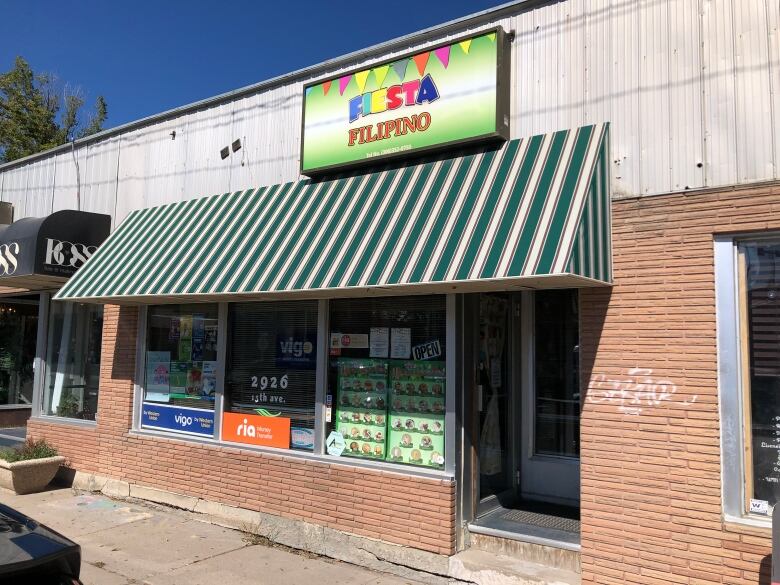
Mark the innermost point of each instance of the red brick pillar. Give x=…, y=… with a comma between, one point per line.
x=117, y=378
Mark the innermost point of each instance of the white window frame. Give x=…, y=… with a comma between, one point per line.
x=41, y=370
x=730, y=376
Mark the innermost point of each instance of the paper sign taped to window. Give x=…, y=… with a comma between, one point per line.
x=759, y=507
x=348, y=340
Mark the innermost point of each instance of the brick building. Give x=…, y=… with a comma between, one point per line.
x=549, y=332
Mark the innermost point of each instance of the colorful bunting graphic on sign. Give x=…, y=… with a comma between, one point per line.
x=380, y=73
x=465, y=45
x=308, y=90
x=492, y=36
x=400, y=68
x=361, y=78
x=443, y=53
x=343, y=83
x=326, y=86
x=421, y=61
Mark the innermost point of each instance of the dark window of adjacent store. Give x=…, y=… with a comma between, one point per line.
x=72, y=378
x=557, y=401
x=386, y=378
x=181, y=355
x=18, y=334
x=271, y=364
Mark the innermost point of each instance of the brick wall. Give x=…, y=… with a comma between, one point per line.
x=377, y=504
x=651, y=487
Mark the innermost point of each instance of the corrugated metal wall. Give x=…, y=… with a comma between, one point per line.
x=690, y=87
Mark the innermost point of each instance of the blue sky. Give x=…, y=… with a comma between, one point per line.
x=149, y=56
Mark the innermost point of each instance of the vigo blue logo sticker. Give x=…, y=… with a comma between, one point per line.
x=298, y=352
x=175, y=418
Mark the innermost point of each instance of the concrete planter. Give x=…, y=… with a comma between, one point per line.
x=27, y=477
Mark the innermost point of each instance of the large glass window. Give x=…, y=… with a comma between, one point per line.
x=557, y=399
x=270, y=375
x=759, y=308
x=18, y=335
x=73, y=360
x=180, y=382
x=387, y=379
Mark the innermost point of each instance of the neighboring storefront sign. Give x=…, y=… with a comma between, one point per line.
x=449, y=94
x=253, y=429
x=55, y=246
x=176, y=418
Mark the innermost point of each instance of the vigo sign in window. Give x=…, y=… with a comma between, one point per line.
x=448, y=94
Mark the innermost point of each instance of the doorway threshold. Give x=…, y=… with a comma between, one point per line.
x=532, y=522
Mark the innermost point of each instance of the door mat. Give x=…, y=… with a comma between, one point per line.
x=542, y=520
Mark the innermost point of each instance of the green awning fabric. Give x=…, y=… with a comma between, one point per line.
x=534, y=213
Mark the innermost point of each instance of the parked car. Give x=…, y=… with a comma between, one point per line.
x=32, y=553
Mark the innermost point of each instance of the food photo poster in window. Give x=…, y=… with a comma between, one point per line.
x=387, y=373
x=362, y=407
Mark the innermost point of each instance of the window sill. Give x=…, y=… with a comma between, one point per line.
x=61, y=420
x=15, y=406
x=753, y=525
x=302, y=455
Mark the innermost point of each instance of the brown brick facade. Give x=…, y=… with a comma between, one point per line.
x=651, y=485
x=377, y=504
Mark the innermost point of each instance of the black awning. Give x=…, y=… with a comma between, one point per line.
x=43, y=252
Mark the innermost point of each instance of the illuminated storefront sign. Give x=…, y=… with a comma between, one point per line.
x=450, y=94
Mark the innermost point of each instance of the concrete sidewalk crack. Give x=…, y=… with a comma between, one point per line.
x=415, y=569
x=208, y=558
x=104, y=567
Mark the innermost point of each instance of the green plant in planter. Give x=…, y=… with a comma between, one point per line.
x=68, y=406
x=30, y=449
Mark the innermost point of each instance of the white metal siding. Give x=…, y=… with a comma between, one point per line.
x=690, y=87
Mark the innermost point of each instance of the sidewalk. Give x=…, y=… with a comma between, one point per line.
x=132, y=543
x=12, y=436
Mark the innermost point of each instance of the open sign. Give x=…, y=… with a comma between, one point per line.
x=427, y=351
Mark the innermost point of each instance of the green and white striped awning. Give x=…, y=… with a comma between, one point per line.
x=534, y=213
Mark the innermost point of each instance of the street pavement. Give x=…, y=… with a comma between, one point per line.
x=126, y=543
x=12, y=436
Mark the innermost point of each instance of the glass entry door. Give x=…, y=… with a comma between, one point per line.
x=495, y=454
x=550, y=438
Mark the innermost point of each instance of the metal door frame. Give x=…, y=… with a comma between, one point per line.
x=486, y=505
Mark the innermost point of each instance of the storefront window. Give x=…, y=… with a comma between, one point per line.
x=180, y=382
x=387, y=379
x=759, y=305
x=18, y=334
x=73, y=360
x=270, y=375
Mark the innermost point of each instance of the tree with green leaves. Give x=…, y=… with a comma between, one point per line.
x=35, y=114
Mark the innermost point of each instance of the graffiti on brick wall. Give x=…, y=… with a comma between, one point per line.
x=638, y=390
